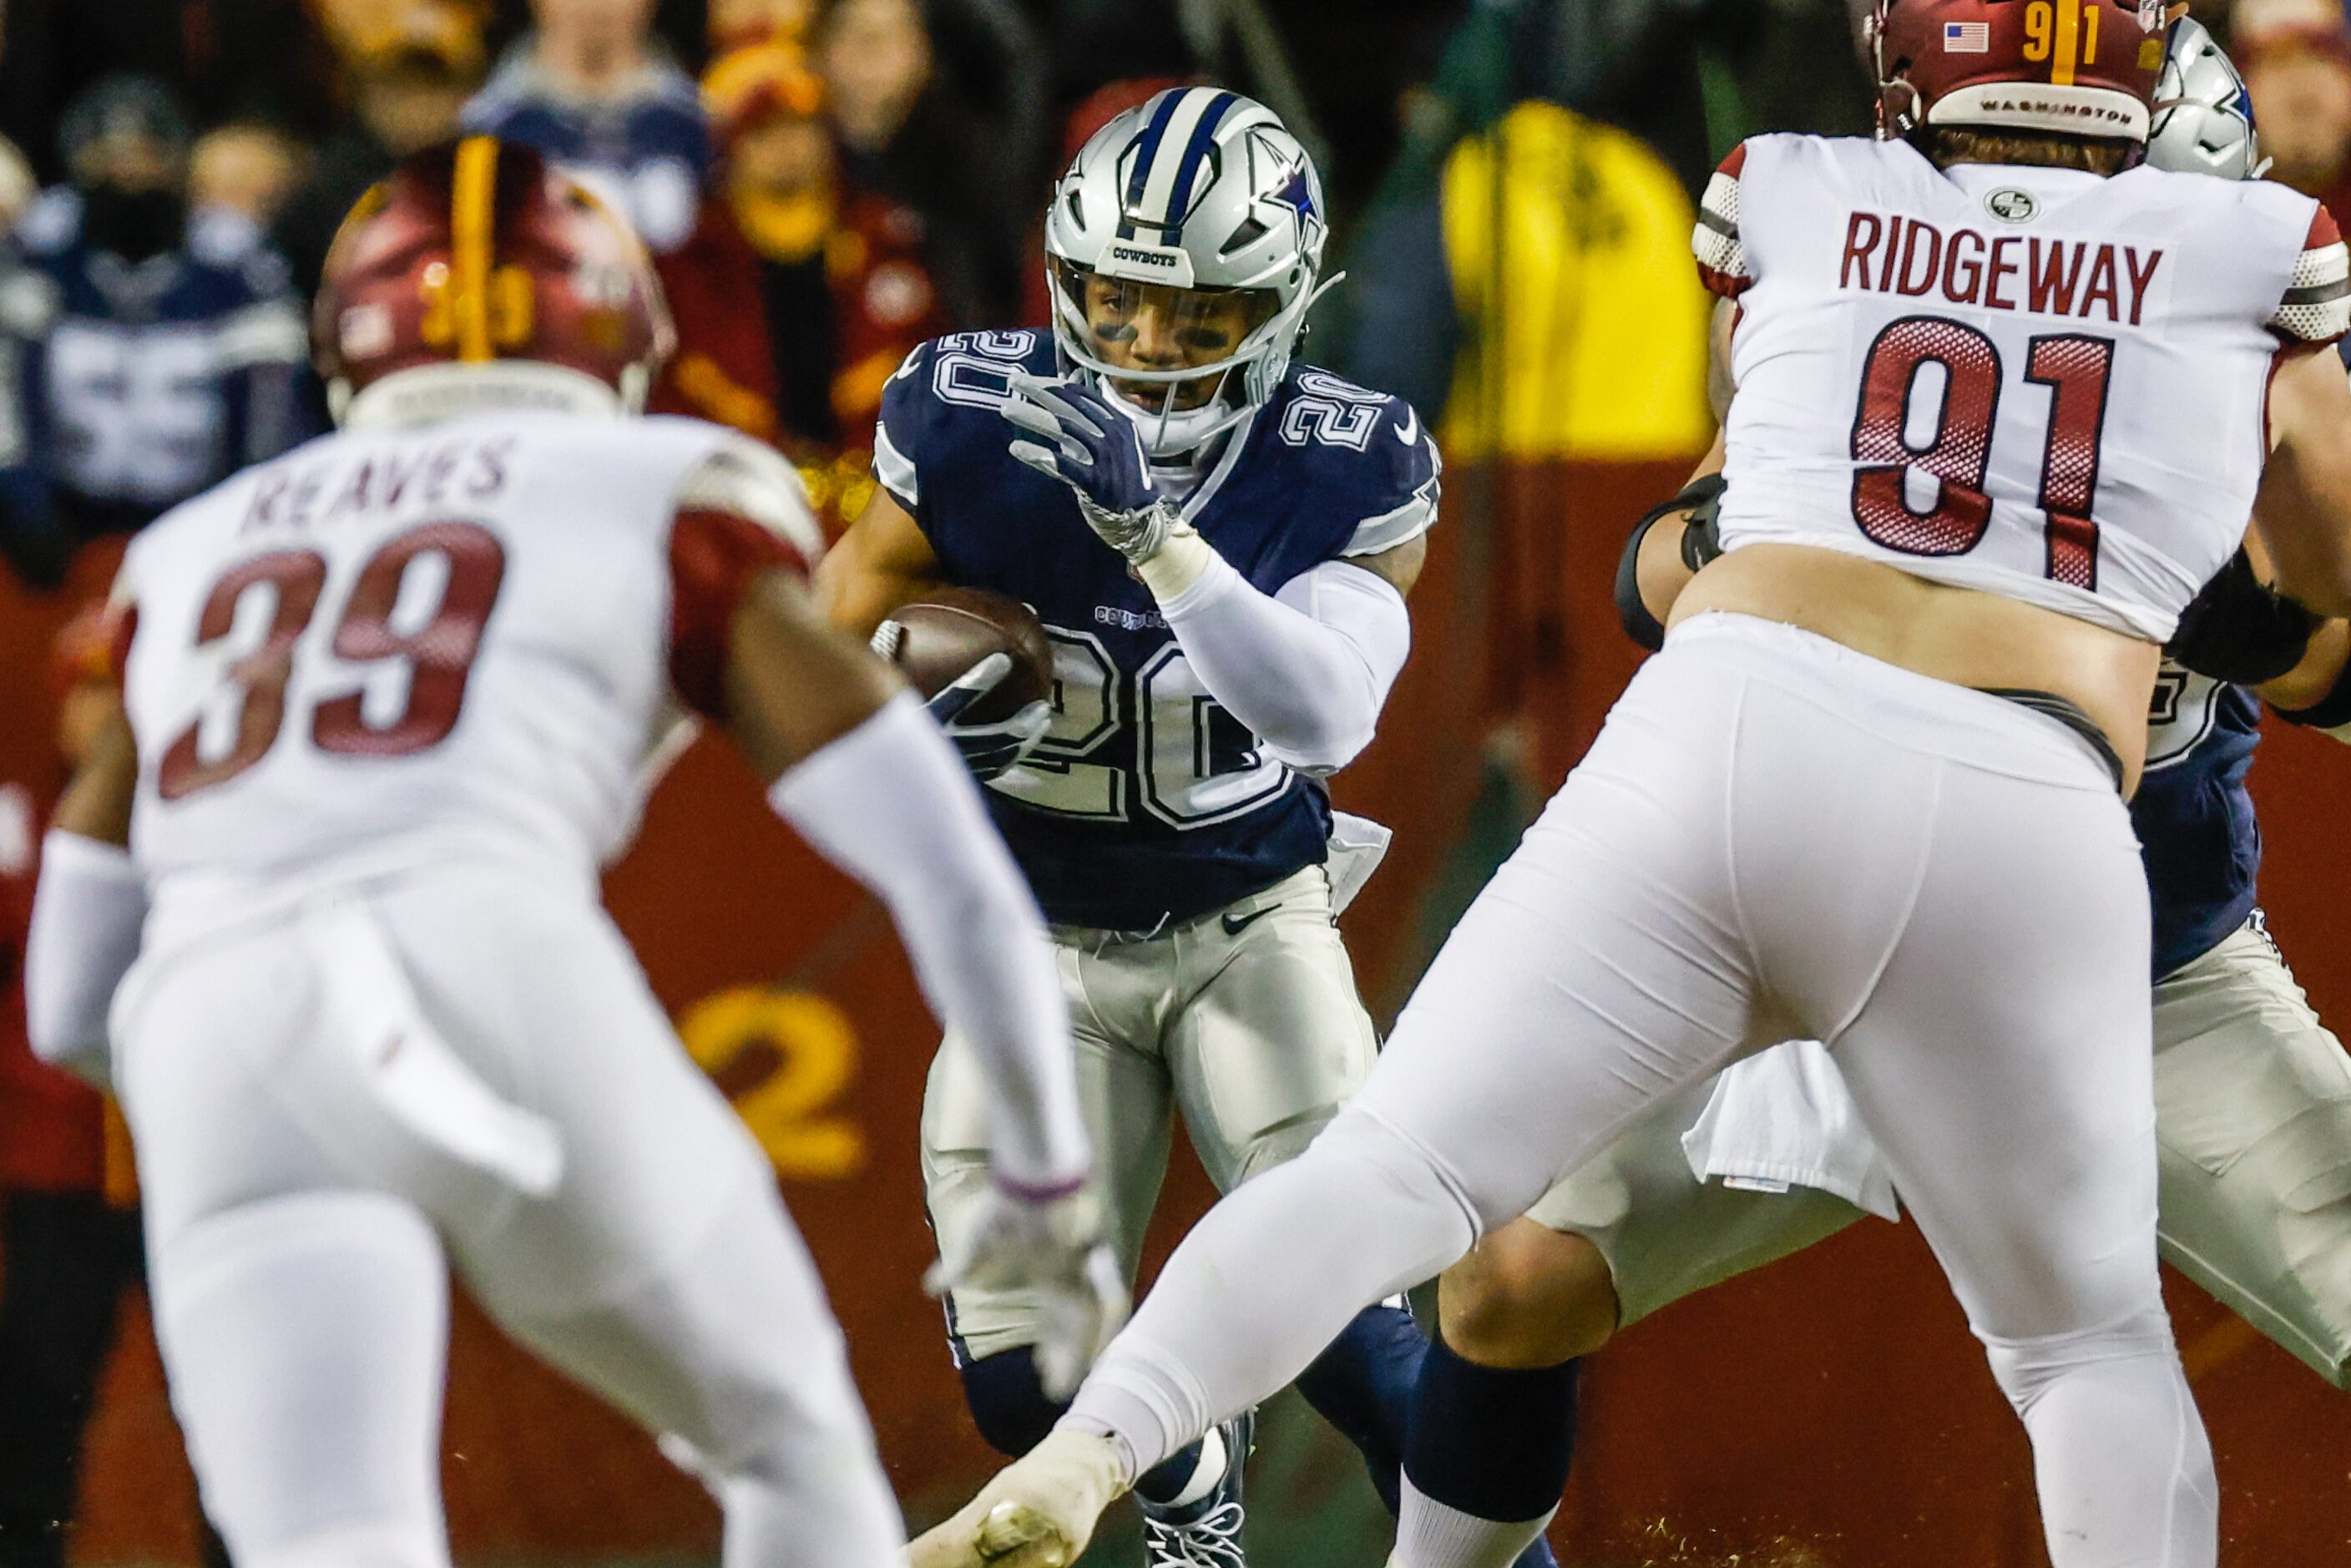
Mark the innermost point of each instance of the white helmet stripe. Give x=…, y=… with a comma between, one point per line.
x=1145, y=144
x=1164, y=152
x=1196, y=152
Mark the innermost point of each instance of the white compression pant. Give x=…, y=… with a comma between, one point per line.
x=296, y=1225
x=1773, y=836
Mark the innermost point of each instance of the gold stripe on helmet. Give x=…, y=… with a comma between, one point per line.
x=2067, y=55
x=472, y=219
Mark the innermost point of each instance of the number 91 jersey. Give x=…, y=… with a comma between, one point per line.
x=401, y=647
x=2032, y=382
x=1147, y=801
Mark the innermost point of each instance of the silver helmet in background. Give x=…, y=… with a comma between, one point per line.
x=1199, y=207
x=2203, y=120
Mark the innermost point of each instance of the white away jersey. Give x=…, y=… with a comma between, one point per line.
x=399, y=647
x=2034, y=381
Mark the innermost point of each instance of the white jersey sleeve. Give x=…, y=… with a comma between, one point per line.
x=2032, y=382
x=1721, y=258
x=751, y=480
x=2316, y=306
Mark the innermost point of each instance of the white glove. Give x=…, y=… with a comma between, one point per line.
x=1052, y=1247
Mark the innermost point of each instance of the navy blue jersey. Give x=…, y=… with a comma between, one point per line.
x=125, y=389
x=646, y=148
x=2194, y=815
x=1147, y=801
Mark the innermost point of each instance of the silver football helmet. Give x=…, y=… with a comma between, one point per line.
x=1201, y=212
x=2203, y=120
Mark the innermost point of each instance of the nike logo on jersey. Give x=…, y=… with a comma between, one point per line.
x=1235, y=927
x=1409, y=431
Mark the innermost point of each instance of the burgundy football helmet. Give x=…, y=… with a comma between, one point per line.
x=2082, y=67
x=477, y=251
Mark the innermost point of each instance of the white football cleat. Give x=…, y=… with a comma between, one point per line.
x=1038, y=1512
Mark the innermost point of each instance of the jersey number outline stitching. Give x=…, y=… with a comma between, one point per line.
x=973, y=370
x=1332, y=412
x=2076, y=368
x=1175, y=755
x=438, y=656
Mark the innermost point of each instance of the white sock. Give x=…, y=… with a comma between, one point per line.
x=1431, y=1534
x=1207, y=1471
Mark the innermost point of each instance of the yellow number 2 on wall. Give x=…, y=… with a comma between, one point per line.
x=782, y=1059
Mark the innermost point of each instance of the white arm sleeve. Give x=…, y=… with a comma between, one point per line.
x=891, y=804
x=87, y=909
x=1307, y=668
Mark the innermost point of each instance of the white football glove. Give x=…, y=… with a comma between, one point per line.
x=1052, y=1247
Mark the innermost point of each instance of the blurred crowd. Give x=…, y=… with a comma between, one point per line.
x=825, y=183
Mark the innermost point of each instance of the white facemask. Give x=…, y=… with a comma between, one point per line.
x=1173, y=433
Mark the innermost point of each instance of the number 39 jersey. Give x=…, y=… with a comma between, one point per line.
x=2032, y=382
x=393, y=648
x=1147, y=801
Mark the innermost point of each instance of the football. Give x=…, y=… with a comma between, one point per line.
x=949, y=630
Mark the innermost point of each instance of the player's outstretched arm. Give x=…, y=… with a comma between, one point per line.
x=87, y=910
x=854, y=762
x=2303, y=510
x=881, y=562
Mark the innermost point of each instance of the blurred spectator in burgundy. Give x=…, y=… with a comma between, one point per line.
x=410, y=69
x=70, y=1242
x=944, y=109
x=2297, y=66
x=797, y=294
x=591, y=86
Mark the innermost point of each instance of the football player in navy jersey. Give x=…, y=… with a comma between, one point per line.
x=1219, y=541
x=142, y=358
x=2252, y=1091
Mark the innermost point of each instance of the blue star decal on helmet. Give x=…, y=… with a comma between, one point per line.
x=1297, y=194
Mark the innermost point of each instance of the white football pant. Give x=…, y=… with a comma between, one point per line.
x=1774, y=836
x=1245, y=1020
x=304, y=1182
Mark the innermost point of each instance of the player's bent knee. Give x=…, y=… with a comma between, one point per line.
x=1528, y=1296
x=1279, y=1144
x=2026, y=1369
